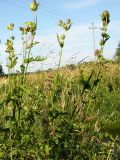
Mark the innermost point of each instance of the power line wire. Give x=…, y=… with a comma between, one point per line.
x=44, y=11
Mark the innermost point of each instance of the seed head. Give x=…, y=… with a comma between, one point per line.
x=60, y=23
x=27, y=29
x=68, y=21
x=34, y=6
x=10, y=26
x=105, y=17
x=65, y=26
x=105, y=14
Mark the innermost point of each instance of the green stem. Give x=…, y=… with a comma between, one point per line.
x=33, y=36
x=26, y=68
x=60, y=54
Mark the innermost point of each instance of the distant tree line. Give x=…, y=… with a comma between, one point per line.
x=117, y=54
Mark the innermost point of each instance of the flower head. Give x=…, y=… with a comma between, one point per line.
x=34, y=6
x=105, y=17
x=10, y=26
x=60, y=23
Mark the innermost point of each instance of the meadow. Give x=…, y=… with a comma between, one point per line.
x=71, y=113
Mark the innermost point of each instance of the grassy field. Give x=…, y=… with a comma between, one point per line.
x=76, y=116
x=71, y=113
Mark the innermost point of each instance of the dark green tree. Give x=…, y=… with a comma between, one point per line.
x=117, y=54
x=1, y=71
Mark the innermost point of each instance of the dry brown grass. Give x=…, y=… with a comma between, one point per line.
x=48, y=76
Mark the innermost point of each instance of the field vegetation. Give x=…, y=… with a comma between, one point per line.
x=71, y=113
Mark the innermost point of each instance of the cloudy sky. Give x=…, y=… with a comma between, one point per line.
x=78, y=43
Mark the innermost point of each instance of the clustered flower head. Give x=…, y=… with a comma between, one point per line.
x=34, y=6
x=10, y=49
x=65, y=26
x=30, y=27
x=10, y=26
x=9, y=46
x=105, y=17
x=61, y=39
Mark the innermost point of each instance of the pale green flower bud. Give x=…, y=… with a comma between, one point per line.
x=34, y=5
x=105, y=14
x=10, y=26
x=60, y=23
x=68, y=21
x=65, y=26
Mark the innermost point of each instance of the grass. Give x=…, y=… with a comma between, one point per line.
x=63, y=121
x=71, y=113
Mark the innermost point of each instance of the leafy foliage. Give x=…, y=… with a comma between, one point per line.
x=58, y=116
x=1, y=70
x=117, y=54
x=105, y=36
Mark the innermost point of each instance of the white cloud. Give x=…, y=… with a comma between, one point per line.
x=78, y=40
x=80, y=4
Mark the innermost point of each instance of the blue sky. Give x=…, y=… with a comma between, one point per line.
x=79, y=39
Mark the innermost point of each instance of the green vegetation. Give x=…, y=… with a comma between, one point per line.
x=105, y=36
x=67, y=114
x=1, y=71
x=117, y=54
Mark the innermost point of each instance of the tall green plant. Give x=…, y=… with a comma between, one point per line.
x=104, y=35
x=66, y=121
x=28, y=31
x=65, y=27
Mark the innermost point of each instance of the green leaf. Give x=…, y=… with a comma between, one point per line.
x=1, y=154
x=36, y=59
x=47, y=149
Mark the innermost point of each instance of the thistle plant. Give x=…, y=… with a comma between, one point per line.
x=17, y=84
x=74, y=116
x=12, y=58
x=105, y=36
x=28, y=32
x=65, y=27
x=34, y=6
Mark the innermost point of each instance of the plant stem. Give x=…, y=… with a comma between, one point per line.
x=60, y=54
